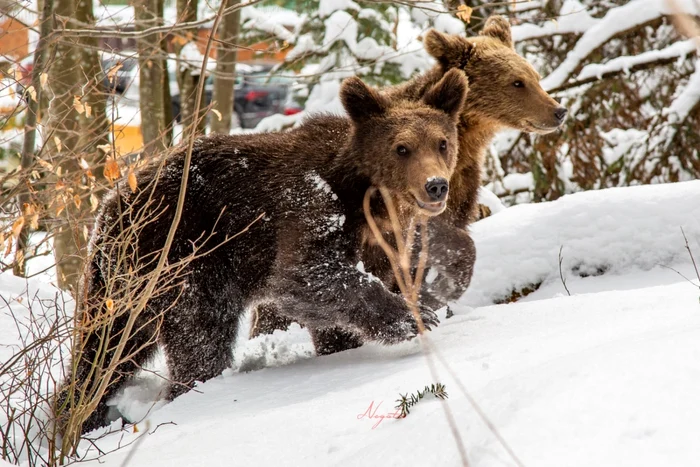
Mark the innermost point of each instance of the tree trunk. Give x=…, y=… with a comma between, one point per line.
x=226, y=57
x=94, y=127
x=29, y=143
x=151, y=78
x=167, y=97
x=64, y=79
x=187, y=81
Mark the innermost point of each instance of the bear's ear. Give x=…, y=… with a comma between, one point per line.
x=360, y=101
x=449, y=50
x=449, y=93
x=499, y=28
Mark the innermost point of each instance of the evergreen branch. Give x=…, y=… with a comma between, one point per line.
x=406, y=401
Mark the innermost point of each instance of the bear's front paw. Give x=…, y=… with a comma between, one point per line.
x=428, y=316
x=403, y=328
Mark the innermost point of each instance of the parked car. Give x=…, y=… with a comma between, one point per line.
x=256, y=95
x=125, y=69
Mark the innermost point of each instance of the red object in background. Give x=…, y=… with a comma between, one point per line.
x=26, y=70
x=252, y=95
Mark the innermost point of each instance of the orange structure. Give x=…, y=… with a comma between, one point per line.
x=14, y=38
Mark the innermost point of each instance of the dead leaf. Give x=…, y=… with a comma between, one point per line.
x=217, y=113
x=32, y=92
x=43, y=79
x=57, y=142
x=77, y=105
x=109, y=303
x=45, y=164
x=106, y=148
x=31, y=213
x=112, y=171
x=179, y=40
x=136, y=430
x=94, y=203
x=17, y=227
x=113, y=71
x=77, y=201
x=556, y=23
x=131, y=178
x=88, y=111
x=83, y=164
x=9, y=246
x=465, y=13
x=85, y=232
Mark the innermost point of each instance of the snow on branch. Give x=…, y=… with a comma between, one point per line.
x=624, y=64
x=573, y=18
x=687, y=100
x=615, y=22
x=254, y=19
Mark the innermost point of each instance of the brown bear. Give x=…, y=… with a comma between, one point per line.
x=504, y=92
x=308, y=185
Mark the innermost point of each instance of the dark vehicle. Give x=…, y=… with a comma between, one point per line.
x=123, y=69
x=256, y=96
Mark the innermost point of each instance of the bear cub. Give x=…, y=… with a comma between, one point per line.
x=274, y=216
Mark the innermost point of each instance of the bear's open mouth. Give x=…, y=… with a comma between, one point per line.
x=542, y=129
x=435, y=208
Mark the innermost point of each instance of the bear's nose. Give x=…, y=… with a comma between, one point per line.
x=437, y=188
x=560, y=113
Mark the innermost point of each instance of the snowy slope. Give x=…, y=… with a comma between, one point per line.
x=615, y=230
x=605, y=377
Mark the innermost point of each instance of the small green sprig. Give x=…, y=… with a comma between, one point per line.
x=405, y=402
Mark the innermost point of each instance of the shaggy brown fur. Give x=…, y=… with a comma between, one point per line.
x=303, y=255
x=504, y=92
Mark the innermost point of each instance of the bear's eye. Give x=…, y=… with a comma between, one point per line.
x=443, y=145
x=402, y=151
x=519, y=84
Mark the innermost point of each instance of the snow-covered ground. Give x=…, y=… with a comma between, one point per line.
x=605, y=377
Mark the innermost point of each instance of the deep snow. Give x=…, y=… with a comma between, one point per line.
x=605, y=377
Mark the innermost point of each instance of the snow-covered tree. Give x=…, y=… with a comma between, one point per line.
x=631, y=81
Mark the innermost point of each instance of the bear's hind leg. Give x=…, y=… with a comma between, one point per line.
x=140, y=347
x=198, y=336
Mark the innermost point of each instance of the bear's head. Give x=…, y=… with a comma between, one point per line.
x=406, y=146
x=504, y=89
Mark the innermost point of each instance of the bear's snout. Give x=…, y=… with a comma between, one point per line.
x=560, y=114
x=437, y=188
